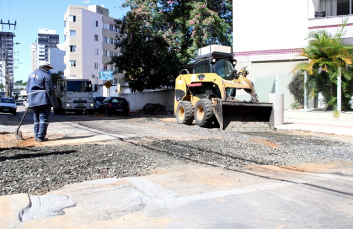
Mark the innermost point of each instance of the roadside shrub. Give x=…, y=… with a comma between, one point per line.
x=296, y=88
x=295, y=105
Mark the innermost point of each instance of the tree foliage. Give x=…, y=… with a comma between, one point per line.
x=56, y=76
x=157, y=37
x=20, y=83
x=327, y=56
x=296, y=88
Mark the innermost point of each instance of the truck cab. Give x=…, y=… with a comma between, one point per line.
x=74, y=95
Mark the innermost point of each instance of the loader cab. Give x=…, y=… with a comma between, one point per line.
x=220, y=63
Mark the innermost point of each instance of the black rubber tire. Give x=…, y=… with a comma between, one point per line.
x=204, y=114
x=185, y=113
x=107, y=112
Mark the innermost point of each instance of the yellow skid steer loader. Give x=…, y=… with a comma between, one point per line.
x=208, y=95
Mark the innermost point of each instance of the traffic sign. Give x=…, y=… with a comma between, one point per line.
x=108, y=84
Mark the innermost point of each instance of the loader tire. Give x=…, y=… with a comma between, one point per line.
x=185, y=113
x=204, y=114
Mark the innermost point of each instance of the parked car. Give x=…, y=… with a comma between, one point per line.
x=116, y=105
x=98, y=103
x=8, y=105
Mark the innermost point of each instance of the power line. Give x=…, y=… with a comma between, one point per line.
x=18, y=6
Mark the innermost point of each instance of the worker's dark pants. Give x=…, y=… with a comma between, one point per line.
x=41, y=120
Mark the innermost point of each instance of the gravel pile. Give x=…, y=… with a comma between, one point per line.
x=42, y=169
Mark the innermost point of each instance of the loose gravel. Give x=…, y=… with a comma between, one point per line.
x=39, y=170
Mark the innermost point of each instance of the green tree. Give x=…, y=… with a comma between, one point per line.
x=327, y=55
x=158, y=37
x=296, y=88
x=56, y=76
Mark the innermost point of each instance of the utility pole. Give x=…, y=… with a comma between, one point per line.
x=8, y=23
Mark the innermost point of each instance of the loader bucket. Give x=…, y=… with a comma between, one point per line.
x=245, y=116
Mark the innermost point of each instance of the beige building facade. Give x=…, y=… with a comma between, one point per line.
x=89, y=42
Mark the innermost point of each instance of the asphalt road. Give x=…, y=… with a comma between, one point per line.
x=307, y=195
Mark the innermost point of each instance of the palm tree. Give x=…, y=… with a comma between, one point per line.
x=329, y=58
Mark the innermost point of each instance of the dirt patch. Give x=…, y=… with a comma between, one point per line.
x=265, y=142
x=305, y=167
x=9, y=141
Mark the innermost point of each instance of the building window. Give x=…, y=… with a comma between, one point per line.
x=105, y=39
x=96, y=23
x=95, y=37
x=72, y=33
x=111, y=27
x=64, y=23
x=111, y=53
x=111, y=40
x=95, y=65
x=72, y=18
x=105, y=67
x=105, y=26
x=105, y=53
x=73, y=63
x=326, y=8
x=72, y=48
x=96, y=52
x=115, y=81
x=64, y=37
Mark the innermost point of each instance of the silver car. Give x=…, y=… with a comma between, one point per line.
x=8, y=105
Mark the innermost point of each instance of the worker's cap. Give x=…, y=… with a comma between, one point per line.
x=45, y=64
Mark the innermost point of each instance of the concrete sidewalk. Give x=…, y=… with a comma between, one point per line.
x=200, y=196
x=318, y=122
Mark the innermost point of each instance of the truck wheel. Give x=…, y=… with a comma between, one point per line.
x=203, y=114
x=185, y=113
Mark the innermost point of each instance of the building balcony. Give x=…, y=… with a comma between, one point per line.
x=333, y=25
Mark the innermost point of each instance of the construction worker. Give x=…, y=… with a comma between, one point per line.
x=41, y=97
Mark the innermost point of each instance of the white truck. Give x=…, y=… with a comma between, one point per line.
x=74, y=95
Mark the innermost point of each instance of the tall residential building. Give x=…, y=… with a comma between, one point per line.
x=89, y=41
x=47, y=39
x=6, y=61
x=268, y=36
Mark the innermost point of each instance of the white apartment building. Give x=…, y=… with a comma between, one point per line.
x=47, y=39
x=89, y=42
x=268, y=35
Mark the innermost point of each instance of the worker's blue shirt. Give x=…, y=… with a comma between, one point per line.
x=40, y=89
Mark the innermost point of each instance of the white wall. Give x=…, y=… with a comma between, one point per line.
x=269, y=25
x=89, y=44
x=56, y=59
x=137, y=100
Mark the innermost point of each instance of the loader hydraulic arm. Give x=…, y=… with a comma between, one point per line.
x=241, y=77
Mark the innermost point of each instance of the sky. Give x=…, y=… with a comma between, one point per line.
x=30, y=15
